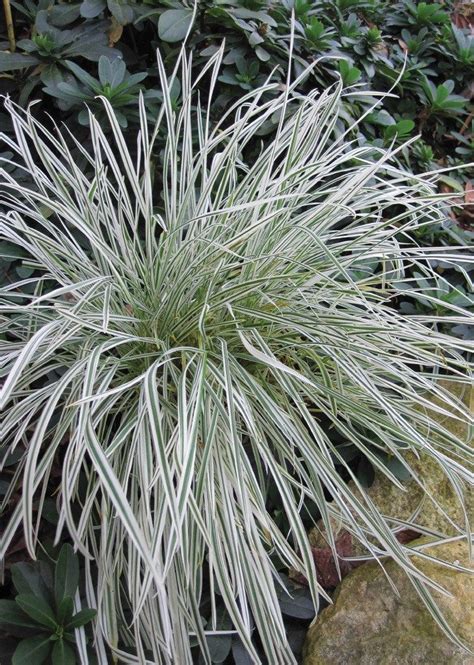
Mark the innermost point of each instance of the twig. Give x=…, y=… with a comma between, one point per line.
x=466, y=122
x=9, y=23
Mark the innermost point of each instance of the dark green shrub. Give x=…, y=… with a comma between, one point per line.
x=42, y=615
x=358, y=39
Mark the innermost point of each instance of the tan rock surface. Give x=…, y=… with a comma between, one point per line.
x=393, y=502
x=369, y=625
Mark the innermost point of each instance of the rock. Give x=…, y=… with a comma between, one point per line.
x=368, y=624
x=393, y=502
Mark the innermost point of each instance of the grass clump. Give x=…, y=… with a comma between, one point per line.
x=206, y=341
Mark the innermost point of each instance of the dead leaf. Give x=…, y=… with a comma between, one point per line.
x=463, y=14
x=469, y=193
x=403, y=45
x=326, y=569
x=407, y=535
x=115, y=32
x=466, y=216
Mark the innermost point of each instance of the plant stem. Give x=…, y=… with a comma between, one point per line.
x=9, y=23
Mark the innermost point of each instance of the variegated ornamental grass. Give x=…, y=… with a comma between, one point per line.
x=210, y=336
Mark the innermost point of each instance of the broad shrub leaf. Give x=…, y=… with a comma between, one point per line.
x=65, y=610
x=32, y=650
x=37, y=609
x=121, y=10
x=81, y=618
x=219, y=647
x=12, y=61
x=62, y=653
x=13, y=620
x=33, y=578
x=92, y=8
x=173, y=24
x=299, y=605
x=240, y=653
x=66, y=574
